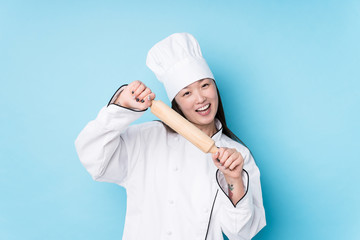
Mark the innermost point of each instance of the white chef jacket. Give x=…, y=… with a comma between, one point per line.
x=174, y=190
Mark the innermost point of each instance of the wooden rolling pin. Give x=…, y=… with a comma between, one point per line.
x=183, y=127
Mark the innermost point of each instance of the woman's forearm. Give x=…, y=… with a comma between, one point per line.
x=236, y=189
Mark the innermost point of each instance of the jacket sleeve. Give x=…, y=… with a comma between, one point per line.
x=246, y=218
x=107, y=145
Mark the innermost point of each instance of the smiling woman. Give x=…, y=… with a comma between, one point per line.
x=220, y=115
x=199, y=103
x=188, y=194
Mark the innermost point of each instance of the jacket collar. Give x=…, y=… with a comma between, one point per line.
x=216, y=137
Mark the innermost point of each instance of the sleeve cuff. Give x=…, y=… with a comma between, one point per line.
x=116, y=94
x=223, y=193
x=115, y=117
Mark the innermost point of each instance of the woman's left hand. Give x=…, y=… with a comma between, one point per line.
x=231, y=162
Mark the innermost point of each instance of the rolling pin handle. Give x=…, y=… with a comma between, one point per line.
x=213, y=149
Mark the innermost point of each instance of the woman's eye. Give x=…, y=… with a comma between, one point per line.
x=205, y=85
x=187, y=93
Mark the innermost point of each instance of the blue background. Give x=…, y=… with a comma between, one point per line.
x=289, y=76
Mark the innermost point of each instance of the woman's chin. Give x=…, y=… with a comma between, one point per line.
x=205, y=122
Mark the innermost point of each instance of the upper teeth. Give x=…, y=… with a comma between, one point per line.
x=204, y=107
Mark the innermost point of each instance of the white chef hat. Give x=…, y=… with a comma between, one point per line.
x=177, y=62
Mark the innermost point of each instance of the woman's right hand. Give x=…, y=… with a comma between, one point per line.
x=136, y=96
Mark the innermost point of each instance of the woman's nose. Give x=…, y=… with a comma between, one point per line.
x=200, y=98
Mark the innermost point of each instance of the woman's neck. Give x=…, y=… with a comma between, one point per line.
x=209, y=129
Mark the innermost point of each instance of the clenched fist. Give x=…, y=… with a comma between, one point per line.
x=230, y=162
x=136, y=96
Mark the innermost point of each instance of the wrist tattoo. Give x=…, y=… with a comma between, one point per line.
x=231, y=187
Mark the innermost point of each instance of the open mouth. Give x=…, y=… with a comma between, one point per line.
x=204, y=108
